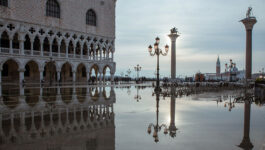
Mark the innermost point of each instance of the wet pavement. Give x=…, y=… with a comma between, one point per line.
x=126, y=118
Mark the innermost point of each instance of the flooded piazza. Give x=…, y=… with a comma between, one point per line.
x=127, y=117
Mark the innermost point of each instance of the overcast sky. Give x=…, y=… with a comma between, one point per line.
x=208, y=28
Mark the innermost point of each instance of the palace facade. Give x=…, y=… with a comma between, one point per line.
x=57, y=40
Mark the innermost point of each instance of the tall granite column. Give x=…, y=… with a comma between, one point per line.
x=249, y=22
x=173, y=36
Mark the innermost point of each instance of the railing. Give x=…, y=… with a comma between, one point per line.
x=63, y=54
x=36, y=53
x=16, y=51
x=77, y=56
x=4, y=50
x=27, y=52
x=46, y=53
x=55, y=54
x=71, y=55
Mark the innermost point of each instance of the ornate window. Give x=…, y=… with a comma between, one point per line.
x=91, y=18
x=4, y=3
x=53, y=9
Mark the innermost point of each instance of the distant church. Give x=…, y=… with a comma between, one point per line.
x=231, y=72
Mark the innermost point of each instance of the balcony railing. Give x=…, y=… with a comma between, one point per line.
x=16, y=51
x=4, y=50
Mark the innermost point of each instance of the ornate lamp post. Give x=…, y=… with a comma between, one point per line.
x=138, y=68
x=157, y=52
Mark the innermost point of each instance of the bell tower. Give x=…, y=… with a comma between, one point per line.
x=218, y=67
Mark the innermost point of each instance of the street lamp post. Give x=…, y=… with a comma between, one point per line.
x=157, y=52
x=138, y=68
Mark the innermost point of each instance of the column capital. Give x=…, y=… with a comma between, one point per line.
x=249, y=22
x=173, y=36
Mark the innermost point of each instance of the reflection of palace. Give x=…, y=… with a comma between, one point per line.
x=57, y=118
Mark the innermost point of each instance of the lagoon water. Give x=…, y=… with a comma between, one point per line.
x=117, y=118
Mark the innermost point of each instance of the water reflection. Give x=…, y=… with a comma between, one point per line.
x=57, y=118
x=156, y=127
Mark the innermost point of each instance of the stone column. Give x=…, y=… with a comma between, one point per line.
x=100, y=53
x=249, y=22
x=31, y=47
x=173, y=36
x=41, y=47
x=74, y=76
x=100, y=77
x=66, y=46
x=21, y=47
x=112, y=77
x=50, y=48
x=81, y=53
x=41, y=75
x=11, y=46
x=58, y=76
x=59, y=50
x=21, y=75
x=74, y=50
x=87, y=75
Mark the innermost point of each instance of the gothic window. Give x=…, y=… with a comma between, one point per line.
x=53, y=9
x=91, y=18
x=4, y=3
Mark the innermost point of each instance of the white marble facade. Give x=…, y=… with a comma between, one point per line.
x=30, y=37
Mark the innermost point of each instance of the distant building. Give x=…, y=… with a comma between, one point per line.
x=231, y=73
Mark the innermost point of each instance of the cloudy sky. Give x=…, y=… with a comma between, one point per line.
x=208, y=28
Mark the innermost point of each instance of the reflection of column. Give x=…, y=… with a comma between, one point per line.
x=74, y=76
x=58, y=76
x=246, y=143
x=249, y=23
x=172, y=126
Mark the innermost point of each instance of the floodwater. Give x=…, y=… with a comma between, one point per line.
x=126, y=118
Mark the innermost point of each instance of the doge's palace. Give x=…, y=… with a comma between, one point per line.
x=57, y=40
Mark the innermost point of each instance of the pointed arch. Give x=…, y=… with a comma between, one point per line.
x=67, y=72
x=36, y=44
x=15, y=41
x=55, y=46
x=81, y=71
x=32, y=73
x=4, y=40
x=10, y=71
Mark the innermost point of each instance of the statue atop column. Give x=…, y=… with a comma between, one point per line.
x=174, y=30
x=249, y=12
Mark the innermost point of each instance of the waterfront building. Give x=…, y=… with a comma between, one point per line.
x=56, y=40
x=231, y=73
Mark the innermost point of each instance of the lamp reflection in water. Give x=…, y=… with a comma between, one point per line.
x=137, y=97
x=156, y=127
